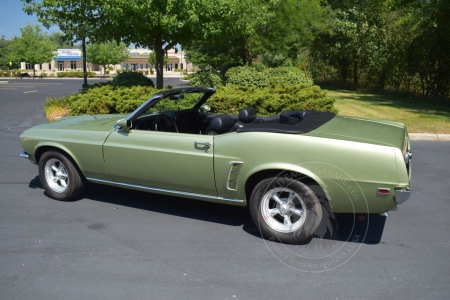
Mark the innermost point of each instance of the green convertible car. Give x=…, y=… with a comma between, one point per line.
x=290, y=169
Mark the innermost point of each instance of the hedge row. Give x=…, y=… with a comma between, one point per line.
x=257, y=76
x=110, y=99
x=78, y=74
x=270, y=101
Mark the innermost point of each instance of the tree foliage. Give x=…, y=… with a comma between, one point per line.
x=106, y=54
x=33, y=46
x=155, y=24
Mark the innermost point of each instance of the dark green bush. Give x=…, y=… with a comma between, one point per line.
x=108, y=99
x=78, y=74
x=207, y=78
x=225, y=67
x=270, y=101
x=247, y=76
x=129, y=79
x=286, y=76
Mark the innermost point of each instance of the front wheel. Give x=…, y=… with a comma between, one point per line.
x=59, y=176
x=285, y=210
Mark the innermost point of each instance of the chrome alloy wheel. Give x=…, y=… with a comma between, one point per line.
x=283, y=209
x=56, y=175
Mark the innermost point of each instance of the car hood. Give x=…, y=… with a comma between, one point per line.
x=363, y=130
x=91, y=122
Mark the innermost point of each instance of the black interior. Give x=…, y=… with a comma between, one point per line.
x=193, y=122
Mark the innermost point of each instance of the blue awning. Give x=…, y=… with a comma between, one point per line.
x=65, y=58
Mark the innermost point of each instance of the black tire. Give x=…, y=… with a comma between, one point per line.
x=59, y=176
x=285, y=210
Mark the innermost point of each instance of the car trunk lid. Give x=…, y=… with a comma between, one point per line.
x=363, y=130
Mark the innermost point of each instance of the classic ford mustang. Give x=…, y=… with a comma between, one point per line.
x=289, y=168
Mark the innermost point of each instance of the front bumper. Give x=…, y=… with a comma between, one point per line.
x=27, y=156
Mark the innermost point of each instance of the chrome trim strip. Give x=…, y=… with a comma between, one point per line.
x=402, y=195
x=24, y=154
x=170, y=192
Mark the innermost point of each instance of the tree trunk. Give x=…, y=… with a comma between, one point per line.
x=159, y=51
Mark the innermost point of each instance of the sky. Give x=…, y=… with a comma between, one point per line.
x=12, y=18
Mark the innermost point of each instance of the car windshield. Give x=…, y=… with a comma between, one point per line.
x=175, y=102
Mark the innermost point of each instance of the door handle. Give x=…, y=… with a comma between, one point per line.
x=207, y=145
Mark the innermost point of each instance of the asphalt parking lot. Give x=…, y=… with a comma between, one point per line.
x=121, y=244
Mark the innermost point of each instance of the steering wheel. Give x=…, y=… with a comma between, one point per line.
x=158, y=124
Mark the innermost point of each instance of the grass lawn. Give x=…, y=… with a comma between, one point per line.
x=418, y=116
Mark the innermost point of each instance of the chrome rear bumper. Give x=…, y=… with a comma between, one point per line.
x=402, y=195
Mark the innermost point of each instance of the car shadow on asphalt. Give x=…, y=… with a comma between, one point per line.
x=356, y=228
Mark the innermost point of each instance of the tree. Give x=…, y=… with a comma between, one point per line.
x=276, y=31
x=105, y=54
x=152, y=59
x=61, y=40
x=33, y=46
x=429, y=52
x=155, y=24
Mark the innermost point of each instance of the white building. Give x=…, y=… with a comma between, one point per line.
x=72, y=59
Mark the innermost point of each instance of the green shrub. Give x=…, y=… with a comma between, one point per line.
x=102, y=99
x=286, y=76
x=247, y=76
x=208, y=78
x=129, y=79
x=270, y=101
x=106, y=98
x=78, y=74
x=225, y=67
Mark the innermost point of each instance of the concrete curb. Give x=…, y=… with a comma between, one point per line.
x=429, y=137
x=3, y=82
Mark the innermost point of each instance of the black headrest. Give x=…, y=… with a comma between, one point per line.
x=222, y=123
x=292, y=116
x=247, y=115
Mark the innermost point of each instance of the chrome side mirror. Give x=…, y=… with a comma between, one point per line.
x=123, y=125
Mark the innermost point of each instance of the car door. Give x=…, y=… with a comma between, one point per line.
x=166, y=160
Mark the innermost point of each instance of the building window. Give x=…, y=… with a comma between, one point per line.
x=49, y=66
x=40, y=66
x=28, y=66
x=60, y=66
x=181, y=66
x=126, y=66
x=176, y=66
x=142, y=66
x=146, y=66
x=73, y=65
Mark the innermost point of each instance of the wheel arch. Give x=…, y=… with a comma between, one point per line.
x=42, y=148
x=303, y=176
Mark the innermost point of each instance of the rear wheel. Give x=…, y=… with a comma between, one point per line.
x=59, y=176
x=285, y=210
